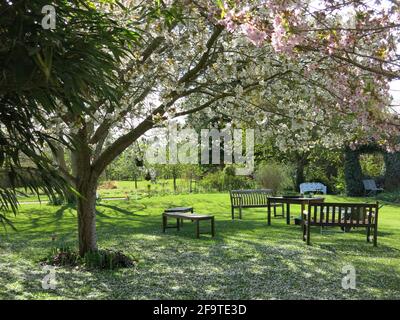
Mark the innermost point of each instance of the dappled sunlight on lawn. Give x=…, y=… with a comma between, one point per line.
x=246, y=260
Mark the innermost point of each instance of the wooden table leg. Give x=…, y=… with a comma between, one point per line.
x=197, y=228
x=212, y=227
x=308, y=232
x=177, y=224
x=288, y=213
x=269, y=212
x=164, y=219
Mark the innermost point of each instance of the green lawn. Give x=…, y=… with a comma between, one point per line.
x=246, y=260
x=127, y=188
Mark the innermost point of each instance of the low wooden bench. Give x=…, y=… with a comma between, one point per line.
x=344, y=215
x=187, y=216
x=252, y=198
x=180, y=210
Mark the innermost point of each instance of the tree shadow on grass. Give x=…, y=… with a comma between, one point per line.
x=59, y=214
x=245, y=270
x=129, y=212
x=246, y=260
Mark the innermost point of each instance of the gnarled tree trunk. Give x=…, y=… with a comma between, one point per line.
x=86, y=185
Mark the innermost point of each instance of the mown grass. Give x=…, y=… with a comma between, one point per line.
x=127, y=188
x=246, y=260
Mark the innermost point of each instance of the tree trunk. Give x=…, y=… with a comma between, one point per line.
x=86, y=207
x=86, y=185
x=299, y=174
x=175, y=187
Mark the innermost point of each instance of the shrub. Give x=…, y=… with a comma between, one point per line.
x=107, y=259
x=62, y=256
x=100, y=259
x=230, y=171
x=213, y=181
x=273, y=176
x=393, y=196
x=225, y=180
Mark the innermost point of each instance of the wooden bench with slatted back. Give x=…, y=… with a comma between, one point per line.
x=344, y=215
x=251, y=198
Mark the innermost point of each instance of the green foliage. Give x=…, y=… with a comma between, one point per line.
x=107, y=259
x=124, y=167
x=213, y=181
x=393, y=196
x=372, y=165
x=62, y=256
x=273, y=176
x=392, y=175
x=65, y=256
x=225, y=181
x=57, y=201
x=335, y=183
x=229, y=171
x=42, y=70
x=353, y=173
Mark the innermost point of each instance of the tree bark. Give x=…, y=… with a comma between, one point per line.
x=299, y=174
x=86, y=207
x=86, y=185
x=175, y=187
x=301, y=162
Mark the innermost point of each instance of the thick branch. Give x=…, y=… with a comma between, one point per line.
x=192, y=73
x=125, y=141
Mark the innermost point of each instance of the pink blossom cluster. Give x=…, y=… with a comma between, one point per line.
x=282, y=41
x=365, y=41
x=256, y=36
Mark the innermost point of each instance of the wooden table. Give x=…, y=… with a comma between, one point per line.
x=188, y=216
x=289, y=200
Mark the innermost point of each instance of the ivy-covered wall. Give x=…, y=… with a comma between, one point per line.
x=353, y=173
x=392, y=175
